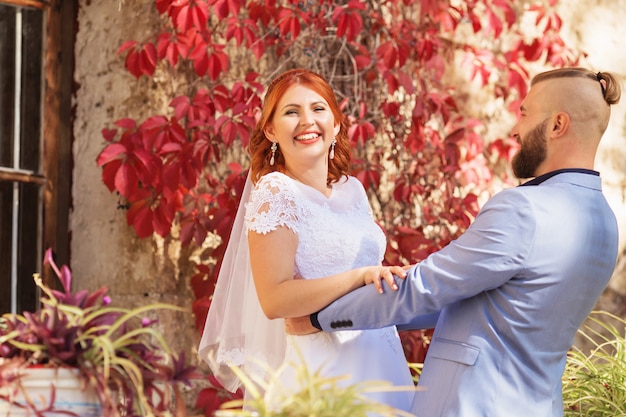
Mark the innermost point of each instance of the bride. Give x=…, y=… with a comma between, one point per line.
x=304, y=235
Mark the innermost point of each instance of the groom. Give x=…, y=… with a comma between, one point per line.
x=508, y=296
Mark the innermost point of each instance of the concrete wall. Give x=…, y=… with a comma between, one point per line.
x=104, y=249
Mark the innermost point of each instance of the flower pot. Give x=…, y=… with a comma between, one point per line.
x=38, y=384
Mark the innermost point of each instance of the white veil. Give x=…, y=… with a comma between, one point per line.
x=236, y=331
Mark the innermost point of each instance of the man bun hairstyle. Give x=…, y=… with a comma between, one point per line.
x=609, y=84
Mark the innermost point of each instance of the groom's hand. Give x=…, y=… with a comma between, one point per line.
x=300, y=326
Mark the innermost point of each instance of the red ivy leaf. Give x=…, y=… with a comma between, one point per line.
x=258, y=49
x=187, y=225
x=200, y=60
x=126, y=123
x=201, y=285
x=126, y=180
x=509, y=12
x=495, y=23
x=348, y=20
x=162, y=218
x=140, y=217
x=109, y=134
x=229, y=132
x=167, y=48
x=361, y=132
x=210, y=400
x=163, y=5
x=148, y=59
x=200, y=309
x=140, y=60
x=288, y=23
x=391, y=110
x=181, y=105
x=221, y=98
x=470, y=204
x=171, y=176
x=476, y=25
x=518, y=81
x=243, y=130
x=260, y=12
x=220, y=8
x=186, y=42
x=504, y=148
x=387, y=56
x=110, y=153
x=453, y=155
x=190, y=172
x=125, y=46
x=240, y=31
x=234, y=31
x=187, y=14
x=109, y=171
x=218, y=63
x=223, y=8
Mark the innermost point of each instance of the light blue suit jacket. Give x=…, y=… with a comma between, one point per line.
x=507, y=298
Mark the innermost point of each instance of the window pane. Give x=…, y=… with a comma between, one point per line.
x=25, y=250
x=6, y=232
x=30, y=97
x=7, y=86
x=28, y=244
x=21, y=63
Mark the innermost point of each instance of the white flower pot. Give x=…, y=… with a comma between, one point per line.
x=39, y=383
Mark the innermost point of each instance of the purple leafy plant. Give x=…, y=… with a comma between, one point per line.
x=118, y=351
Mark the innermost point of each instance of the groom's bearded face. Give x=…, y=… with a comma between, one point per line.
x=532, y=153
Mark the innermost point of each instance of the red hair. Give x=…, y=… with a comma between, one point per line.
x=259, y=146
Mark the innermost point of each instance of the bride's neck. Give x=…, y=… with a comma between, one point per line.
x=312, y=179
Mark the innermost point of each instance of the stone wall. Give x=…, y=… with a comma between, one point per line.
x=104, y=249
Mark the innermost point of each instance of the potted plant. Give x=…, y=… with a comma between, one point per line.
x=319, y=396
x=594, y=382
x=116, y=353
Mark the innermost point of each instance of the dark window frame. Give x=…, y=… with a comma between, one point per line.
x=57, y=116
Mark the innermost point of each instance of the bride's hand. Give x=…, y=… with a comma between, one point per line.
x=407, y=267
x=378, y=274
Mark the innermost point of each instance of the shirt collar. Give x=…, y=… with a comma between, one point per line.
x=538, y=180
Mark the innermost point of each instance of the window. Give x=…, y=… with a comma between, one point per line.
x=35, y=58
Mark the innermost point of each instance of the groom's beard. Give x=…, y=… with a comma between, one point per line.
x=532, y=153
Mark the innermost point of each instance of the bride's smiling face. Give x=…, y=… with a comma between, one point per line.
x=303, y=125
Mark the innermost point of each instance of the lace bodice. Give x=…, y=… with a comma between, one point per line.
x=334, y=234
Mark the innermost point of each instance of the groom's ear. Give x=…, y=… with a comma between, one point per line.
x=559, y=124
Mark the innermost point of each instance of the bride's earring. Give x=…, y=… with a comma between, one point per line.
x=273, y=149
x=331, y=155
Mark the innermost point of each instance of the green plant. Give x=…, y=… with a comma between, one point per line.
x=117, y=350
x=594, y=384
x=320, y=396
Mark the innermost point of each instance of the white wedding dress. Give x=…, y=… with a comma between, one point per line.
x=335, y=234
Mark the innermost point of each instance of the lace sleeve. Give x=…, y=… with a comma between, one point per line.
x=272, y=204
